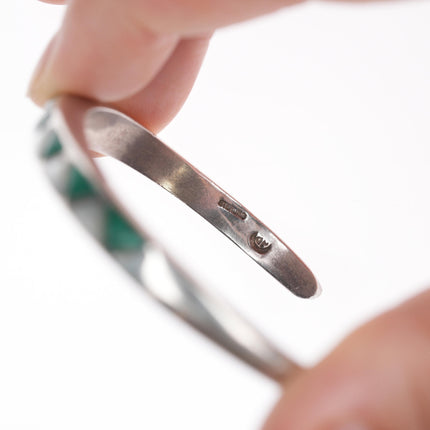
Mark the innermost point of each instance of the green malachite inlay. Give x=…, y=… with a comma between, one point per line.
x=120, y=235
x=78, y=185
x=51, y=146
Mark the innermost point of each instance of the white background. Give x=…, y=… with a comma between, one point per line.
x=317, y=119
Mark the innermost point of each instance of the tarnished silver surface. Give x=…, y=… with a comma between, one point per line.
x=114, y=134
x=81, y=126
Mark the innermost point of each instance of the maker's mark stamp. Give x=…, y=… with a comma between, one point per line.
x=259, y=243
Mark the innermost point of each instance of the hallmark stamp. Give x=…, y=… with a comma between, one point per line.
x=259, y=243
x=234, y=210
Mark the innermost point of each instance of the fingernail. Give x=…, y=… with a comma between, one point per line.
x=41, y=88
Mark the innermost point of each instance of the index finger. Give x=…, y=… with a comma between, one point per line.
x=110, y=51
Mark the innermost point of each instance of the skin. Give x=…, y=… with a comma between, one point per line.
x=146, y=55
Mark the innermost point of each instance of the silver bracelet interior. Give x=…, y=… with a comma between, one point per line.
x=71, y=129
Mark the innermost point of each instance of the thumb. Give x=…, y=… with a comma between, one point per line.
x=377, y=379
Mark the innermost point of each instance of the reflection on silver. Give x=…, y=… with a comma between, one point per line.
x=214, y=318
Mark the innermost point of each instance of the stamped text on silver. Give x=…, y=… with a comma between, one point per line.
x=234, y=210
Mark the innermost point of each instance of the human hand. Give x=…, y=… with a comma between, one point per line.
x=378, y=378
x=140, y=56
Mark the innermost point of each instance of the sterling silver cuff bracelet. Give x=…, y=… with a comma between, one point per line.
x=73, y=127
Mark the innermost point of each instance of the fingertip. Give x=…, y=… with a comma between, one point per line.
x=375, y=379
x=40, y=89
x=101, y=53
